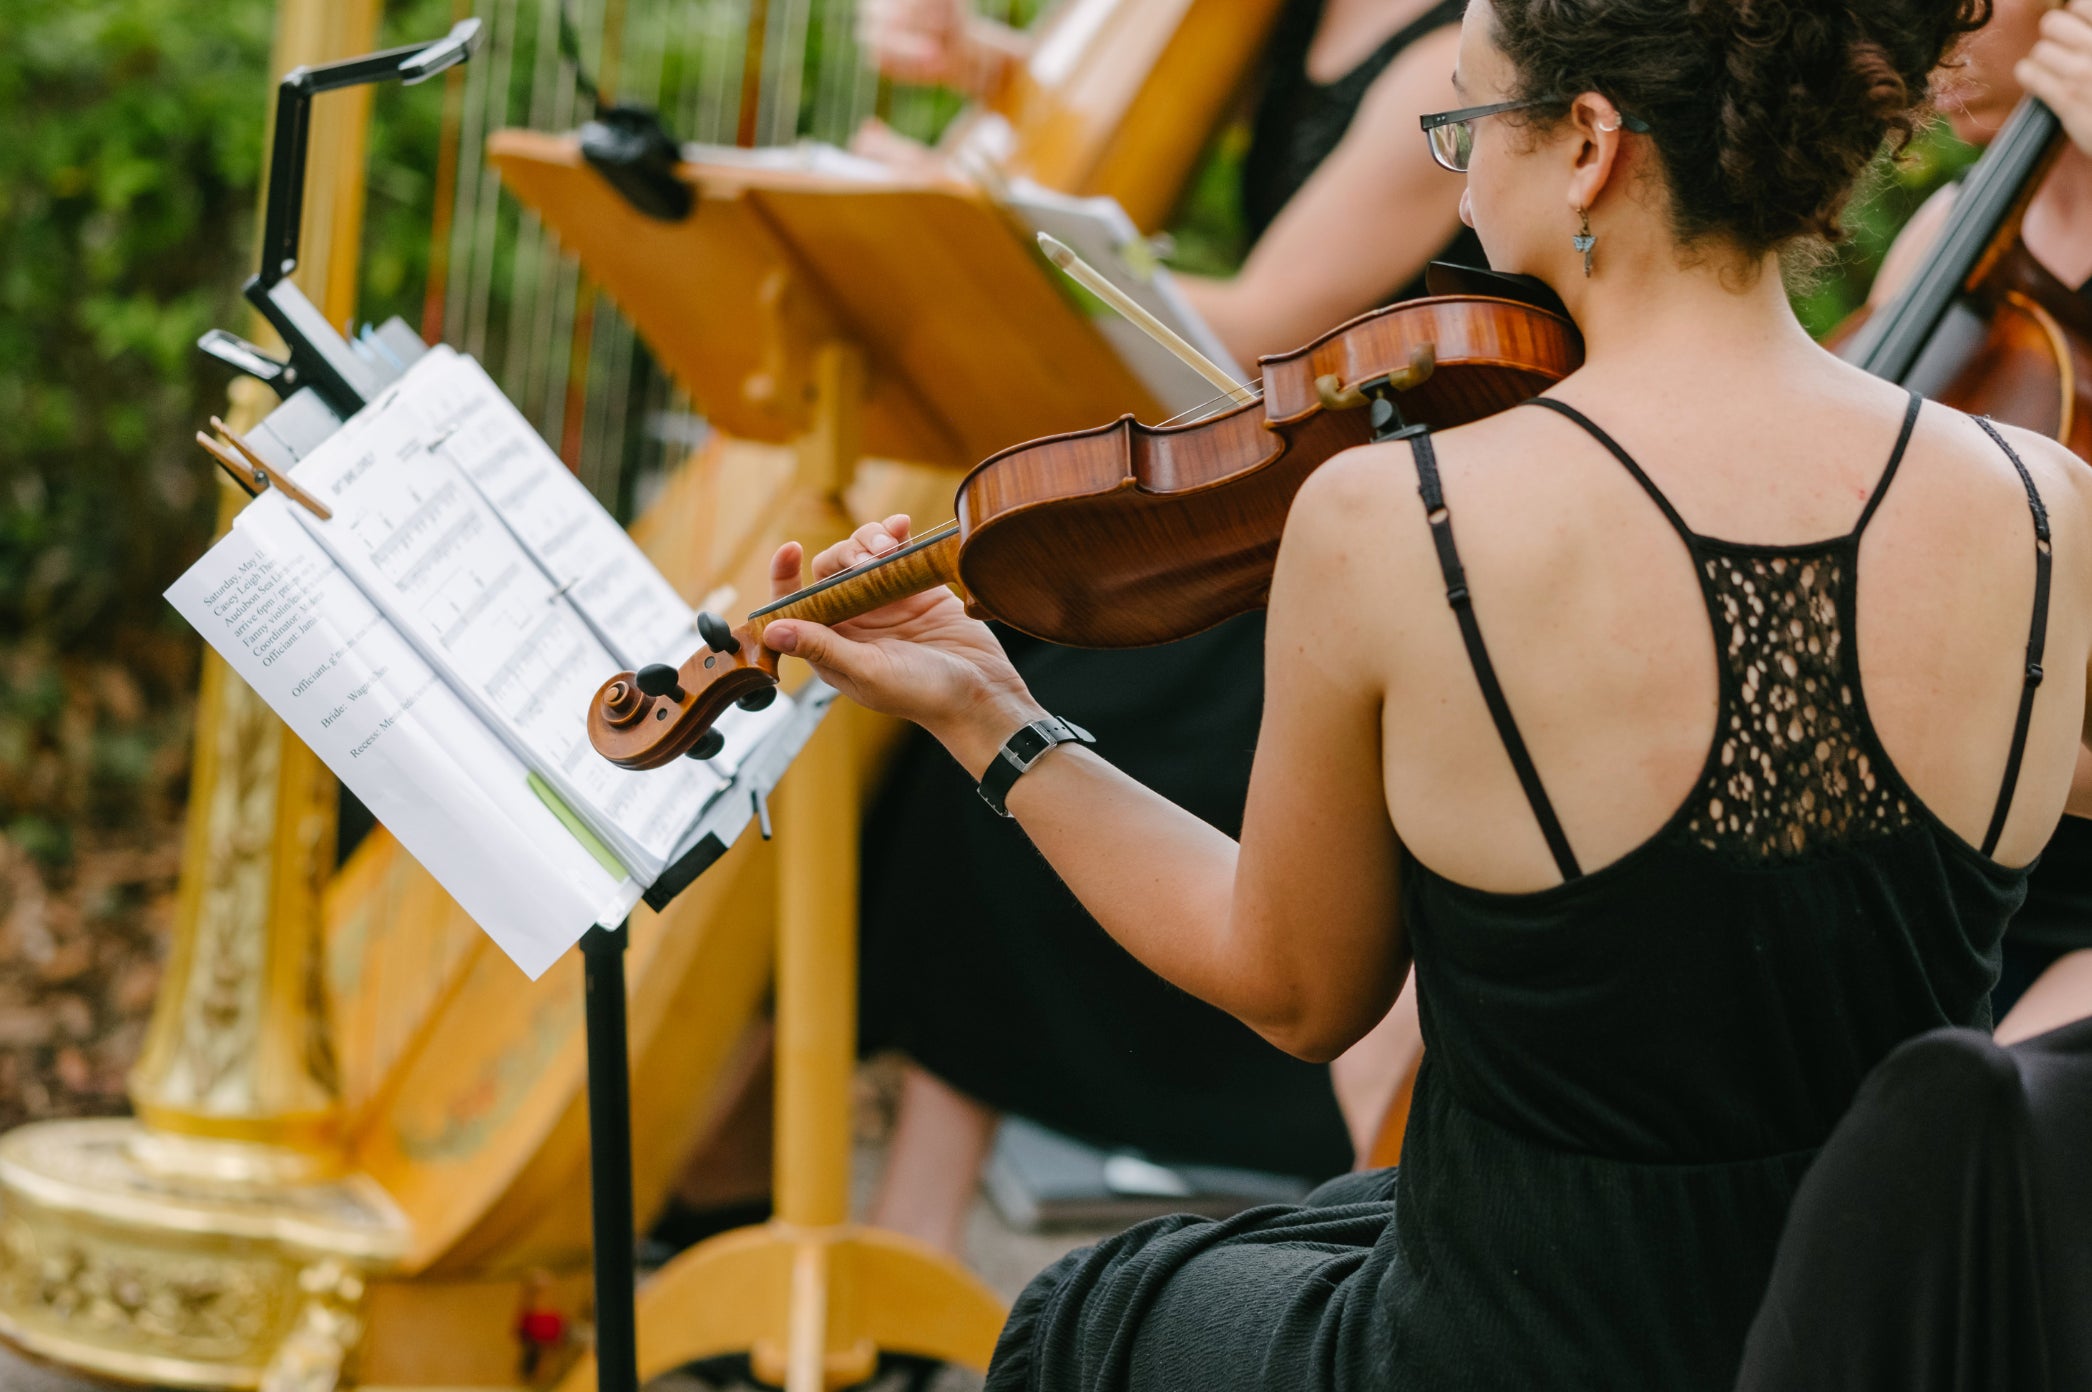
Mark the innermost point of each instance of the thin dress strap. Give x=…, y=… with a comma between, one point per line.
x=1591, y=428
x=2037, y=639
x=1441, y=520
x=1881, y=490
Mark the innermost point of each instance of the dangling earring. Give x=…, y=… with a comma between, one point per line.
x=1583, y=241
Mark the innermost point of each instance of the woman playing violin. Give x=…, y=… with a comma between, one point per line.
x=977, y=964
x=1690, y=729
x=2037, y=47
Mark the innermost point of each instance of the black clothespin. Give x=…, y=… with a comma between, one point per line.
x=320, y=357
x=628, y=145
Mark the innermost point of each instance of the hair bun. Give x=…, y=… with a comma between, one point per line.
x=1764, y=111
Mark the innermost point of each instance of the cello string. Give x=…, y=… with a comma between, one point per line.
x=443, y=201
x=733, y=27
x=864, y=82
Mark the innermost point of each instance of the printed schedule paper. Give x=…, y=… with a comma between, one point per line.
x=437, y=642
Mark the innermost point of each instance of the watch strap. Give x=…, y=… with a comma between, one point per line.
x=1020, y=751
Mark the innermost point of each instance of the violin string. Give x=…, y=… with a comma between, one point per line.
x=1212, y=404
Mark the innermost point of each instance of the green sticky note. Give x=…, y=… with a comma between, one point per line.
x=574, y=824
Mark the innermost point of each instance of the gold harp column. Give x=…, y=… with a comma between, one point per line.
x=239, y=1047
x=215, y=1241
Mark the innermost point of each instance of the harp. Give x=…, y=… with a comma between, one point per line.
x=400, y=1114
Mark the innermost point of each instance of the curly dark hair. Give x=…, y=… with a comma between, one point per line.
x=1764, y=112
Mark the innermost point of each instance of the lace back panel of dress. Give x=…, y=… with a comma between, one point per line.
x=1796, y=770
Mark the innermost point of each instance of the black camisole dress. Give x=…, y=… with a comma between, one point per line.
x=982, y=967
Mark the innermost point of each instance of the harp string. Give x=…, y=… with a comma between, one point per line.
x=721, y=71
x=747, y=71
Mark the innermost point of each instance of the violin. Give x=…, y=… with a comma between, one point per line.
x=1126, y=534
x=1983, y=326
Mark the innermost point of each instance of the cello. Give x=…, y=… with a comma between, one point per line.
x=1983, y=326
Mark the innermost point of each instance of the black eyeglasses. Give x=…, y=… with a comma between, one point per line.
x=1451, y=134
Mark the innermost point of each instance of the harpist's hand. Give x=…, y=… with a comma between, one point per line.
x=919, y=658
x=920, y=40
x=2059, y=69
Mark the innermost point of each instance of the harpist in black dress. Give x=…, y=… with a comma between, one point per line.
x=981, y=966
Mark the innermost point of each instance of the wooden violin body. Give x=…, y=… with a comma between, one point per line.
x=1127, y=534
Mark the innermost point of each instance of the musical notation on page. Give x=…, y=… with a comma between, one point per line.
x=492, y=596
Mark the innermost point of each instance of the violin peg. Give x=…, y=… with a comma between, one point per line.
x=660, y=679
x=718, y=637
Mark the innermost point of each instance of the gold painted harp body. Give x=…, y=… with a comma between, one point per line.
x=383, y=1053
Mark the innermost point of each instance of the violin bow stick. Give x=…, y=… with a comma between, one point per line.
x=1094, y=281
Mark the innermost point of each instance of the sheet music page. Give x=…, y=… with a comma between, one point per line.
x=297, y=628
x=630, y=602
x=415, y=532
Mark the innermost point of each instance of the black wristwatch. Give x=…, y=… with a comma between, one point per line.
x=1020, y=751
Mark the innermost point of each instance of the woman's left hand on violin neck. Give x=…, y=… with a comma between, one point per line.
x=920, y=658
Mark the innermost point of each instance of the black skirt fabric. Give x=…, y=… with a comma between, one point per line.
x=1626, y=1080
x=1943, y=1240
x=981, y=966
x=2056, y=919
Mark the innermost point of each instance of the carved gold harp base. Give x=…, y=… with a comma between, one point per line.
x=219, y=1275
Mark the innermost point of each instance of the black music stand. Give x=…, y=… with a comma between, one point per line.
x=324, y=380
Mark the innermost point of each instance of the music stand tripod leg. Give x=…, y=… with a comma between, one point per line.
x=610, y=1157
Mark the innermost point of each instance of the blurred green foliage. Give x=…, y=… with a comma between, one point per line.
x=127, y=198
x=127, y=205
x=127, y=188
x=1892, y=191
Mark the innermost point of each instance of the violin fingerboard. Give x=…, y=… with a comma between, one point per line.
x=914, y=571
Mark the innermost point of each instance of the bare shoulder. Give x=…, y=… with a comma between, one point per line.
x=2063, y=479
x=1358, y=519
x=1354, y=494
x=1367, y=500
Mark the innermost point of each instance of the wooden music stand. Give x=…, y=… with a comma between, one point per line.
x=913, y=321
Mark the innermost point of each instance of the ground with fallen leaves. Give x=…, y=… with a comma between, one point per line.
x=94, y=760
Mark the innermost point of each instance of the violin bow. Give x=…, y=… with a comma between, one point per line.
x=1135, y=313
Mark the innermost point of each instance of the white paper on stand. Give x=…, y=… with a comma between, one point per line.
x=1096, y=229
x=422, y=539
x=438, y=640
x=295, y=627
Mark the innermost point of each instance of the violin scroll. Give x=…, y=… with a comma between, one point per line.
x=644, y=719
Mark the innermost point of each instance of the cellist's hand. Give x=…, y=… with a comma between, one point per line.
x=2059, y=69
x=919, y=658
